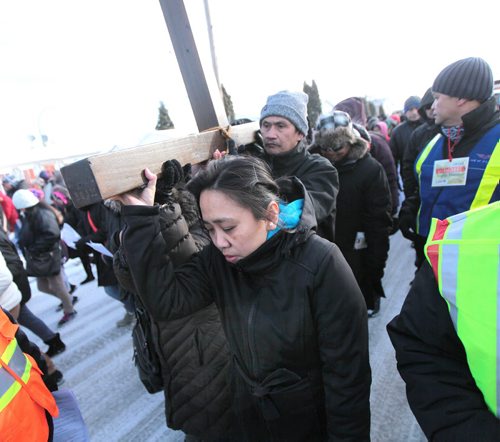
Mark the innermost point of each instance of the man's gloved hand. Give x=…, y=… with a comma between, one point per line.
x=408, y=226
x=256, y=148
x=171, y=175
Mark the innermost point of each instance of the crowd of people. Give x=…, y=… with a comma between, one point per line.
x=271, y=257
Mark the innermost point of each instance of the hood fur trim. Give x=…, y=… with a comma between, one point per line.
x=341, y=136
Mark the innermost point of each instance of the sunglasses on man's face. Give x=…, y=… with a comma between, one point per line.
x=331, y=148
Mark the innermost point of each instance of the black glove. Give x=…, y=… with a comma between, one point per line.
x=171, y=175
x=408, y=226
x=256, y=148
x=231, y=147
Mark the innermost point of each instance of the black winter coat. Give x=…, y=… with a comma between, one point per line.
x=364, y=206
x=15, y=266
x=380, y=150
x=294, y=319
x=432, y=361
x=399, y=140
x=100, y=223
x=193, y=350
x=418, y=140
x=39, y=231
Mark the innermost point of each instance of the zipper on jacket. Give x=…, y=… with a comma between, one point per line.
x=251, y=343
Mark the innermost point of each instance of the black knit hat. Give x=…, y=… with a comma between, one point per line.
x=469, y=78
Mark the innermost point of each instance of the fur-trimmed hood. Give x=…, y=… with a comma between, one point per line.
x=341, y=136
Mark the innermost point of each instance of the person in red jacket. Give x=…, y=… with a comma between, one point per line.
x=9, y=211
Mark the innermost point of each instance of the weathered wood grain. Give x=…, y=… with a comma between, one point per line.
x=105, y=175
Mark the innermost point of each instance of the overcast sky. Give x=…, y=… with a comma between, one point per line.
x=90, y=75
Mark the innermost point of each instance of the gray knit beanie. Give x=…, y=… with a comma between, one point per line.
x=289, y=105
x=469, y=78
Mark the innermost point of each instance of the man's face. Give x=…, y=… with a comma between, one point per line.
x=446, y=111
x=279, y=134
x=412, y=114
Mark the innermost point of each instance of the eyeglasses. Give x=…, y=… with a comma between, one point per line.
x=334, y=120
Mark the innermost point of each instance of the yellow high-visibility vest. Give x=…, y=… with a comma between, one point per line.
x=464, y=252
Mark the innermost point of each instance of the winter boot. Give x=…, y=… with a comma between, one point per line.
x=56, y=346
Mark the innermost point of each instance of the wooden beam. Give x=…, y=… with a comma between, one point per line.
x=102, y=176
x=201, y=85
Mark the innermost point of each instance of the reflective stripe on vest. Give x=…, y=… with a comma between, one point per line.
x=14, y=372
x=464, y=251
x=481, y=187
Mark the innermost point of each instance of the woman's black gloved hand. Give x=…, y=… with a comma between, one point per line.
x=171, y=176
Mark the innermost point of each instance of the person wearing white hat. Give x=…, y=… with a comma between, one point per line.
x=39, y=240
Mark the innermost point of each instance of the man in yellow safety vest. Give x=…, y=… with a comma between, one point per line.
x=447, y=333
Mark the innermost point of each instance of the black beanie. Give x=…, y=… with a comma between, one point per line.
x=469, y=78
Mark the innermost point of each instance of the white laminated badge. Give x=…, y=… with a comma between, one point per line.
x=360, y=241
x=450, y=173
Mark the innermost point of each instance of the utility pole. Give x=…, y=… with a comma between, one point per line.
x=211, y=40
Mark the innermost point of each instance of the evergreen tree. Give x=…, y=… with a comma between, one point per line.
x=164, y=121
x=314, y=103
x=228, y=104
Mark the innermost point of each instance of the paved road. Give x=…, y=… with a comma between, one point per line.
x=98, y=367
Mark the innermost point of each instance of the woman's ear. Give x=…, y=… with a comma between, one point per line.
x=273, y=211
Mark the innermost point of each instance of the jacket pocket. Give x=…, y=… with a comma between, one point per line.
x=289, y=407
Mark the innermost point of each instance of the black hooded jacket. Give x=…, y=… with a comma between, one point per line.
x=294, y=318
x=319, y=177
x=363, y=210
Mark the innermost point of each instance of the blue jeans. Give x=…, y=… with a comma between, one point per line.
x=120, y=295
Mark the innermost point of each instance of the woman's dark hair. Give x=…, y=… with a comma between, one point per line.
x=246, y=180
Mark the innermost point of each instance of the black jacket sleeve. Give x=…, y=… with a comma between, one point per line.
x=165, y=292
x=321, y=181
x=431, y=360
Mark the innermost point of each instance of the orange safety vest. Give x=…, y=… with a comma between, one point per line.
x=23, y=394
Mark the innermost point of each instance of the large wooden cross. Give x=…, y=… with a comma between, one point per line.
x=105, y=175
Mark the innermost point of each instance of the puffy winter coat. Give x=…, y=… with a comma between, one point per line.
x=294, y=318
x=193, y=350
x=40, y=231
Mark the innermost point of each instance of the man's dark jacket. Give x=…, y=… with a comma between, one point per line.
x=319, y=177
x=431, y=360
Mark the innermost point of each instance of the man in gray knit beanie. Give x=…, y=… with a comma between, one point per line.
x=283, y=121
x=282, y=144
